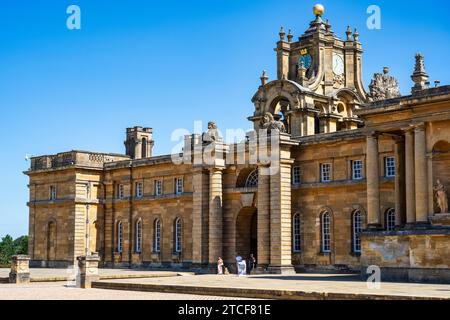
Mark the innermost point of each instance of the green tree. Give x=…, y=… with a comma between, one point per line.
x=10, y=247
x=21, y=245
x=7, y=250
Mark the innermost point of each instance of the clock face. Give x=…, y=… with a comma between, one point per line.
x=338, y=64
x=306, y=60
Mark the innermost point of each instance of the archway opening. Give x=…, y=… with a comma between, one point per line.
x=247, y=233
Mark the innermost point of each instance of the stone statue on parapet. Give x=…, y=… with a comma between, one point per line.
x=383, y=86
x=212, y=135
x=441, y=196
x=269, y=123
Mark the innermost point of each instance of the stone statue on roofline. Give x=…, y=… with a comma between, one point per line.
x=212, y=135
x=269, y=123
x=441, y=196
x=383, y=86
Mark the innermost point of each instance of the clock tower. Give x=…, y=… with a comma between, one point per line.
x=319, y=81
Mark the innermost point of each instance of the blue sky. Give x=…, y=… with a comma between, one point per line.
x=165, y=64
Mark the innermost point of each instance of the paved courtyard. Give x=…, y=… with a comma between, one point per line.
x=315, y=286
x=48, y=275
x=60, y=291
x=165, y=285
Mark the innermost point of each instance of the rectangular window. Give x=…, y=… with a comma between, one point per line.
x=296, y=175
x=357, y=170
x=325, y=172
x=158, y=188
x=139, y=189
x=178, y=186
x=390, y=166
x=121, y=191
x=52, y=193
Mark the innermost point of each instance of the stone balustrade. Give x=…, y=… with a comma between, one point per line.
x=74, y=158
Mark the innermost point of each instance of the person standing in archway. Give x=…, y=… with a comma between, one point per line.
x=251, y=262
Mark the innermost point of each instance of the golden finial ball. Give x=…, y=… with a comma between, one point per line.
x=318, y=10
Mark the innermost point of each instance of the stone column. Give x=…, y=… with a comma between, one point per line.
x=421, y=174
x=280, y=220
x=373, y=182
x=400, y=217
x=88, y=270
x=263, y=221
x=409, y=178
x=280, y=204
x=200, y=217
x=215, y=215
x=20, y=270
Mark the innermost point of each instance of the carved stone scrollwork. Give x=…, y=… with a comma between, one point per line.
x=212, y=135
x=384, y=86
x=269, y=123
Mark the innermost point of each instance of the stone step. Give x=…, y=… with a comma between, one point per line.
x=250, y=293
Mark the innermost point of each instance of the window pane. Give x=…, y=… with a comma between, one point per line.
x=357, y=170
x=390, y=167
x=296, y=233
x=296, y=175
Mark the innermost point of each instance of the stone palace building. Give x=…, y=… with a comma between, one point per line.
x=363, y=179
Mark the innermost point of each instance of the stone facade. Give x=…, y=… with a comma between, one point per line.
x=355, y=174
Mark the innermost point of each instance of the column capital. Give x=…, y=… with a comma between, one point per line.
x=398, y=139
x=213, y=170
x=373, y=134
x=419, y=127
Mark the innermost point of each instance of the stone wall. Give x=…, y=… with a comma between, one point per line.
x=416, y=255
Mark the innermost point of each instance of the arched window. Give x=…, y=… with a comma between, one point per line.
x=138, y=236
x=157, y=236
x=325, y=223
x=252, y=180
x=357, y=226
x=296, y=233
x=390, y=219
x=178, y=235
x=144, y=148
x=119, y=237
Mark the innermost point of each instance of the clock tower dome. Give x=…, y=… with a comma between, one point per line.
x=319, y=81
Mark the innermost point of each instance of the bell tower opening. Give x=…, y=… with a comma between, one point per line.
x=139, y=142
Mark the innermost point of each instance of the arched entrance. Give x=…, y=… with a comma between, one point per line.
x=246, y=233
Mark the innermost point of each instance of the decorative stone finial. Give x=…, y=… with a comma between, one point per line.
x=420, y=76
x=348, y=33
x=319, y=10
x=290, y=36
x=264, y=78
x=356, y=35
x=327, y=26
x=301, y=73
x=282, y=34
x=384, y=86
